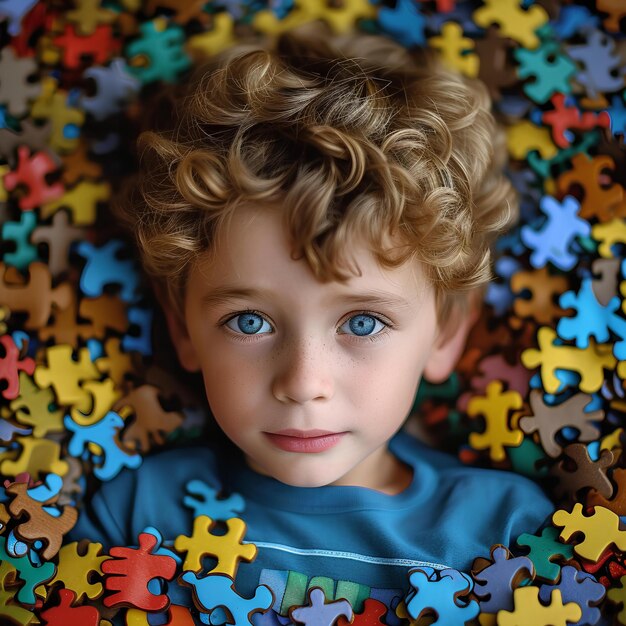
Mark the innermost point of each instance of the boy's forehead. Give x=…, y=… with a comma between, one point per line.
x=255, y=261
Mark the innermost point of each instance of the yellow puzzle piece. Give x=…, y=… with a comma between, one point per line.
x=529, y=611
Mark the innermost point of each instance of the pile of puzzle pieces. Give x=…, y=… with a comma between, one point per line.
x=540, y=389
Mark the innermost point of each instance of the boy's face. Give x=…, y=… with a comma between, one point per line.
x=309, y=355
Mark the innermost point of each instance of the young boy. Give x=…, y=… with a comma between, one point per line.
x=317, y=222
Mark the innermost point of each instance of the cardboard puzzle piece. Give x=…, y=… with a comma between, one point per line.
x=30, y=177
x=217, y=590
x=495, y=406
x=529, y=609
x=580, y=588
x=599, y=200
x=600, y=530
x=11, y=365
x=66, y=614
x=65, y=375
x=32, y=576
x=553, y=242
x=495, y=68
x=589, y=473
x=35, y=407
x=203, y=500
x=177, y=616
x=129, y=572
x=543, y=287
x=616, y=12
x=150, y=424
x=545, y=549
x=496, y=581
x=227, y=549
x=589, y=362
x=549, y=420
x=35, y=297
x=104, y=434
x=80, y=565
x=318, y=612
x=36, y=456
x=605, y=278
x=513, y=21
x=40, y=525
x=441, y=593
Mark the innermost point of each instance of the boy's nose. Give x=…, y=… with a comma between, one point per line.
x=303, y=373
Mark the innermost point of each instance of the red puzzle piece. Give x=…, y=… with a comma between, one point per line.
x=99, y=46
x=131, y=570
x=31, y=172
x=67, y=615
x=563, y=118
x=371, y=615
x=10, y=366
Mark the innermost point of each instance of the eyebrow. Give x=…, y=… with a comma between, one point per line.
x=221, y=295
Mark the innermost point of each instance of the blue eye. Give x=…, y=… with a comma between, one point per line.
x=362, y=325
x=248, y=323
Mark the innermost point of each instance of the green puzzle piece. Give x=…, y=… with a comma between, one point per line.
x=544, y=549
x=19, y=232
x=31, y=575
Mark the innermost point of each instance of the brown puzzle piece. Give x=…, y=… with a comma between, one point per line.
x=547, y=420
x=40, y=524
x=36, y=296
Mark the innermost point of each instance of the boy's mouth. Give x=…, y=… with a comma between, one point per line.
x=306, y=442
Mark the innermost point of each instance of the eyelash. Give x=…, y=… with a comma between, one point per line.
x=247, y=338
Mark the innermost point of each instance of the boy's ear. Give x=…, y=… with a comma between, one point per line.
x=448, y=348
x=178, y=331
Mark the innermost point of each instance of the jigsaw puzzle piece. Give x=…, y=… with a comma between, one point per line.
x=203, y=500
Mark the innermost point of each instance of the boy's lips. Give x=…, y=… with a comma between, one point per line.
x=305, y=441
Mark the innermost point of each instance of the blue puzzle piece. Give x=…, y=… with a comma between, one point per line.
x=203, y=500
x=320, y=613
x=592, y=319
x=581, y=588
x=495, y=581
x=141, y=318
x=103, y=268
x=50, y=488
x=19, y=232
x=14, y=11
x=405, y=23
x=553, y=242
x=115, y=87
x=104, y=434
x=215, y=591
x=440, y=592
x=617, y=113
x=603, y=70
x=572, y=20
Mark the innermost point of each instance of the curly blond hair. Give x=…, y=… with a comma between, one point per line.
x=354, y=136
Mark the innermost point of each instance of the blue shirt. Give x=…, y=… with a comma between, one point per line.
x=354, y=542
